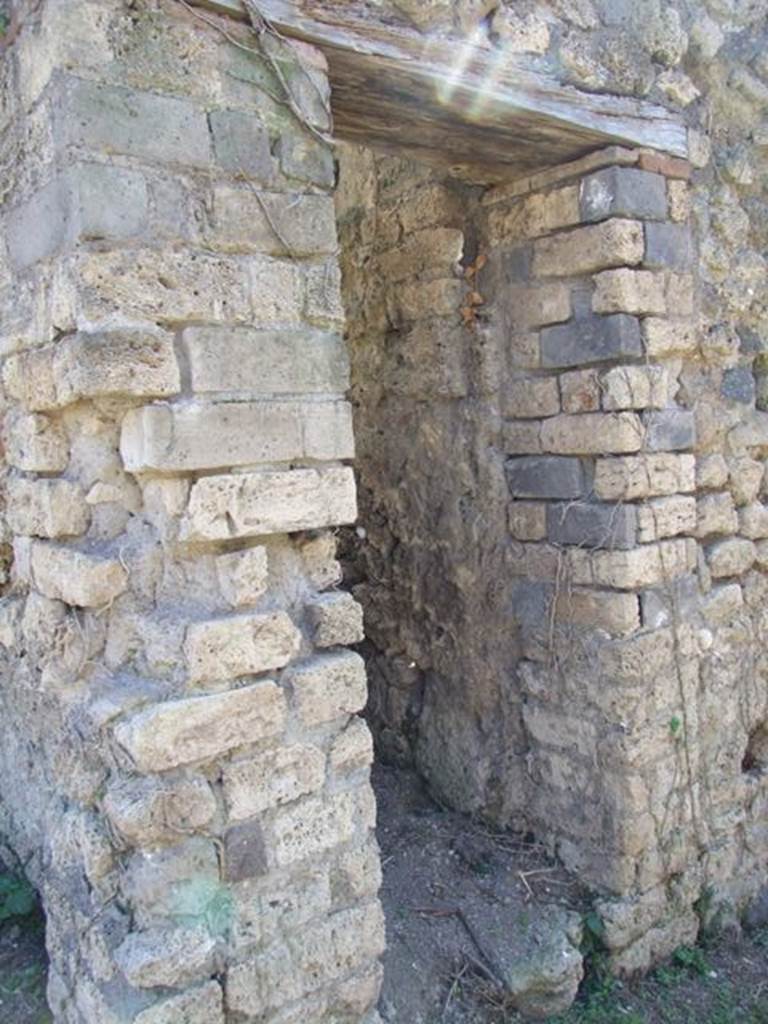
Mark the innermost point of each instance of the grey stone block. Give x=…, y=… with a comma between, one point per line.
x=517, y=264
x=592, y=526
x=546, y=476
x=668, y=245
x=241, y=143
x=623, y=192
x=738, y=385
x=113, y=119
x=670, y=430
x=591, y=340
x=244, y=852
x=306, y=159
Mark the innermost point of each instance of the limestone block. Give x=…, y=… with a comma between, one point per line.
x=715, y=513
x=336, y=619
x=237, y=359
x=591, y=340
x=532, y=397
x=635, y=387
x=731, y=557
x=643, y=476
x=113, y=119
x=669, y=430
x=241, y=144
x=46, y=508
x=318, y=555
x=273, y=778
x=592, y=525
x=153, y=812
x=666, y=517
x=209, y=436
x=522, y=437
x=239, y=645
x=528, y=520
x=629, y=291
x=318, y=823
x=306, y=159
x=352, y=749
x=668, y=245
x=723, y=603
x=753, y=521
x=537, y=305
x=523, y=350
x=243, y=576
x=679, y=198
x=167, y=958
x=611, y=244
x=35, y=443
x=546, y=476
x=746, y=476
x=623, y=192
x=252, y=504
x=65, y=574
x=204, y=1005
x=711, y=471
x=580, y=391
x=276, y=223
x=356, y=873
x=666, y=337
x=592, y=433
x=616, y=613
x=263, y=911
x=680, y=293
x=329, y=686
x=172, y=884
x=181, y=732
x=29, y=378
x=644, y=566
x=426, y=299
x=548, y=211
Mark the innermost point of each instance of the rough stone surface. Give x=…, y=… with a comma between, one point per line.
x=597, y=339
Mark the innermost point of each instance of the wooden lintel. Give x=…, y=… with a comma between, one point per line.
x=458, y=103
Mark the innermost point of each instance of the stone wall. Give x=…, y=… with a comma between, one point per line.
x=183, y=772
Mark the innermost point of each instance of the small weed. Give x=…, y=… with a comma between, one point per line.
x=675, y=725
x=17, y=897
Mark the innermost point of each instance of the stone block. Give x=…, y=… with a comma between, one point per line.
x=203, y=1005
x=738, y=385
x=635, y=387
x=615, y=613
x=644, y=566
x=528, y=520
x=277, y=223
x=746, y=477
x=62, y=573
x=335, y=619
x=153, y=812
x=533, y=306
x=716, y=513
x=46, y=508
x=679, y=199
x=36, y=443
x=241, y=145
x=245, y=854
x=680, y=293
x=731, y=557
x=306, y=159
x=432, y=251
x=670, y=430
x=546, y=476
x=711, y=471
x=644, y=476
x=328, y=687
x=554, y=728
x=254, y=504
x=669, y=337
x=523, y=350
x=241, y=359
x=669, y=166
x=614, y=243
x=753, y=521
x=318, y=555
x=592, y=433
x=243, y=576
x=623, y=192
x=723, y=603
x=166, y=957
x=546, y=212
x=29, y=378
x=272, y=778
x=591, y=340
x=194, y=729
x=239, y=645
x=352, y=749
x=318, y=823
x=592, y=525
x=210, y=436
x=113, y=119
x=522, y=437
x=668, y=246
x=666, y=517
x=580, y=391
x=629, y=291
x=532, y=397
x=172, y=884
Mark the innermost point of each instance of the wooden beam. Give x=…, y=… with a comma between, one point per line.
x=457, y=103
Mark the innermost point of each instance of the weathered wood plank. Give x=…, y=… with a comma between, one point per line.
x=442, y=100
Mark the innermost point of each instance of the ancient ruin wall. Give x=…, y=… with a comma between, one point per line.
x=182, y=770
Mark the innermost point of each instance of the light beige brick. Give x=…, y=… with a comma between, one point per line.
x=532, y=397
x=612, y=243
x=352, y=749
x=711, y=471
x=29, y=378
x=203, y=1005
x=251, y=504
x=36, y=444
x=243, y=576
x=592, y=433
x=746, y=476
x=46, y=508
x=680, y=294
x=580, y=391
x=272, y=778
x=533, y=305
x=335, y=618
x=181, y=732
x=667, y=337
x=329, y=686
x=545, y=212
x=753, y=521
x=679, y=199
x=65, y=574
x=166, y=957
x=635, y=387
x=644, y=476
x=318, y=555
x=153, y=812
x=615, y=613
x=318, y=823
x=666, y=517
x=731, y=557
x=522, y=437
x=644, y=566
x=528, y=520
x=629, y=291
x=239, y=645
x=716, y=514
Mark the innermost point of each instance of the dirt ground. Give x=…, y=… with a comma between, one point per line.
x=440, y=871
